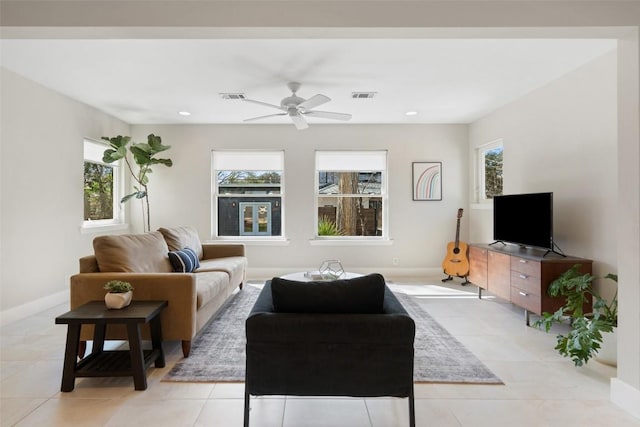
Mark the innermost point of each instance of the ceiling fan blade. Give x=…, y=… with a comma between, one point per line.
x=299, y=121
x=265, y=104
x=329, y=115
x=264, y=117
x=314, y=101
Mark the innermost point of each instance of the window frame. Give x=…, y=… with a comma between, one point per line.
x=118, y=220
x=215, y=195
x=481, y=152
x=383, y=196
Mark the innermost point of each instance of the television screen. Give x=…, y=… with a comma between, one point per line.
x=524, y=219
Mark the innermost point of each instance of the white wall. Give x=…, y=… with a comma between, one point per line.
x=563, y=138
x=420, y=230
x=42, y=201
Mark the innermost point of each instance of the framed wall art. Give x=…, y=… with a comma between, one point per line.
x=427, y=180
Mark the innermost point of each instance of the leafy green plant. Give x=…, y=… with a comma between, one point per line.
x=143, y=155
x=583, y=341
x=118, y=286
x=327, y=227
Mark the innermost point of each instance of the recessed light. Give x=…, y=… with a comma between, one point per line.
x=411, y=113
x=184, y=113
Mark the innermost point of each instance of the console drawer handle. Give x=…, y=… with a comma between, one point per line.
x=524, y=294
x=523, y=261
x=522, y=276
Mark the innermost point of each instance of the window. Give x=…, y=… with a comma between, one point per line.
x=248, y=193
x=351, y=194
x=490, y=171
x=102, y=187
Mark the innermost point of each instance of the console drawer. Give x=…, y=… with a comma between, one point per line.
x=527, y=283
x=526, y=300
x=525, y=266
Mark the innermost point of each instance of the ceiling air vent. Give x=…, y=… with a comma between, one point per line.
x=232, y=96
x=363, y=95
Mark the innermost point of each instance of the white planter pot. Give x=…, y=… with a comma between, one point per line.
x=120, y=300
x=608, y=353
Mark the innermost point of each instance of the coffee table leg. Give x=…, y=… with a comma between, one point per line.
x=137, y=357
x=99, y=332
x=156, y=340
x=70, y=361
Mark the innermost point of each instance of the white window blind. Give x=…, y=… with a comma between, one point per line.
x=359, y=161
x=93, y=151
x=248, y=160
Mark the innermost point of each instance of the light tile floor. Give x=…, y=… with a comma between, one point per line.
x=540, y=387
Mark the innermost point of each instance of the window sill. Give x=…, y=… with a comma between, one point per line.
x=349, y=242
x=253, y=242
x=102, y=228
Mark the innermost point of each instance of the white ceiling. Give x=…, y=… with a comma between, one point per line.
x=444, y=80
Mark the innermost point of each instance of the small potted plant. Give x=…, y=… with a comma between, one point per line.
x=119, y=294
x=589, y=331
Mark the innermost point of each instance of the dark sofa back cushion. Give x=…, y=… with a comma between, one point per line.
x=358, y=295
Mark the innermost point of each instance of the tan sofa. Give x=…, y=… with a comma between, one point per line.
x=142, y=260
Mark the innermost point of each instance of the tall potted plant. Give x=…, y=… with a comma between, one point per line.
x=588, y=330
x=143, y=155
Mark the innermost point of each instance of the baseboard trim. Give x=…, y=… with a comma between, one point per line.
x=625, y=396
x=34, y=307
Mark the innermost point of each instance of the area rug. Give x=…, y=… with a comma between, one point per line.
x=217, y=352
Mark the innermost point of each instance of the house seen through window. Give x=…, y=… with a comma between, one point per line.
x=101, y=187
x=351, y=194
x=248, y=193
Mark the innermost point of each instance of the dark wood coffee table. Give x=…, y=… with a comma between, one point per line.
x=114, y=363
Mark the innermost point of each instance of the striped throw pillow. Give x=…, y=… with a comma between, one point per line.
x=184, y=261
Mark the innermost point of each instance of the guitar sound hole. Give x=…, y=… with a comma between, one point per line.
x=456, y=251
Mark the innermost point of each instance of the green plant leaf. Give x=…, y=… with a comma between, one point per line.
x=155, y=142
x=166, y=162
x=127, y=197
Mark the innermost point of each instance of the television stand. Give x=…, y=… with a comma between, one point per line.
x=521, y=275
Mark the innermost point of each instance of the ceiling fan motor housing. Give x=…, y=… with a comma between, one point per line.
x=291, y=102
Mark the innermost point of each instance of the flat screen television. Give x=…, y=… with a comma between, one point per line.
x=524, y=219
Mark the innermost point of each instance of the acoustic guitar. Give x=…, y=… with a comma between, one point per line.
x=456, y=262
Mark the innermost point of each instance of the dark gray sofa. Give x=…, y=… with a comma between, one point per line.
x=315, y=339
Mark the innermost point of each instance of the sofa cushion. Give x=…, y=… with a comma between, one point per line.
x=234, y=266
x=139, y=253
x=358, y=295
x=184, y=261
x=209, y=285
x=178, y=238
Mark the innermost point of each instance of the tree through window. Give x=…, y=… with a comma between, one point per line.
x=101, y=187
x=351, y=194
x=490, y=170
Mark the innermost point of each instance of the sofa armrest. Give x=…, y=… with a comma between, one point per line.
x=179, y=289
x=221, y=250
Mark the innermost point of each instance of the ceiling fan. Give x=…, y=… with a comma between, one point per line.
x=296, y=108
